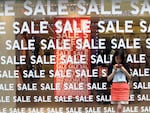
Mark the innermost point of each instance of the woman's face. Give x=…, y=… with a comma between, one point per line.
x=118, y=59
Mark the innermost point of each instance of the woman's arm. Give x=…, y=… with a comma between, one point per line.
x=110, y=77
x=123, y=69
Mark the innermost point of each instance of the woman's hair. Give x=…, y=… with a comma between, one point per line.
x=119, y=52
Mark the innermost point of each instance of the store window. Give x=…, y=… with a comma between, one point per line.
x=59, y=52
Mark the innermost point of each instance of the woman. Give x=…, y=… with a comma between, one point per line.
x=118, y=72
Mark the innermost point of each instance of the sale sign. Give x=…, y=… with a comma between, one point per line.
x=72, y=66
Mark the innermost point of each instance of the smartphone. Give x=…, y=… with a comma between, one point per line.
x=119, y=65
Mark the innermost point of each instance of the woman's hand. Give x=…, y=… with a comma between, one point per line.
x=116, y=66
